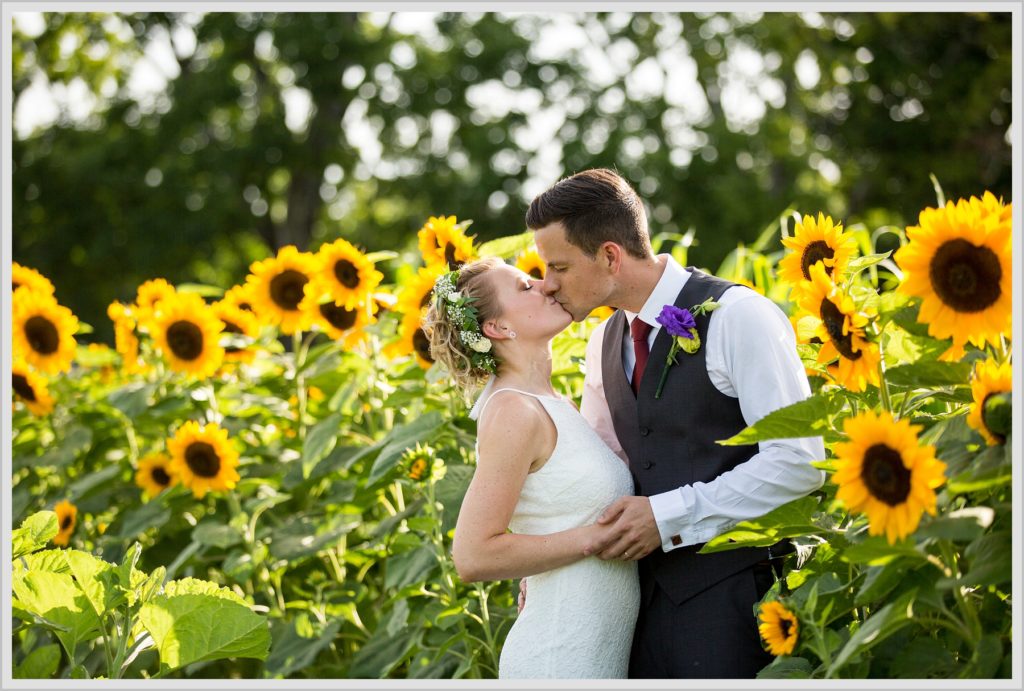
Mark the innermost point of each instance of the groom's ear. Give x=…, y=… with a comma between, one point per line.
x=609, y=254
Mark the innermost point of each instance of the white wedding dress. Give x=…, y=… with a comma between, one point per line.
x=578, y=620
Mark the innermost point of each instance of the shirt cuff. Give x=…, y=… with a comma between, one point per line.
x=670, y=511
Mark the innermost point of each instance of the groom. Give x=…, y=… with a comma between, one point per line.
x=696, y=617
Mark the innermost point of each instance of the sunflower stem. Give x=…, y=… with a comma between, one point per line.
x=299, y=352
x=883, y=386
x=966, y=609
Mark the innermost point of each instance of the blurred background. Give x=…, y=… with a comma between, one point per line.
x=187, y=145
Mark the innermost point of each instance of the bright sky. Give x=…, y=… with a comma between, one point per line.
x=745, y=79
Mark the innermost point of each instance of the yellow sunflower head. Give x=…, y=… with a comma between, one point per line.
x=885, y=473
x=958, y=261
x=414, y=294
x=816, y=242
x=991, y=412
x=529, y=262
x=187, y=332
x=23, y=276
x=239, y=296
x=148, y=298
x=126, y=341
x=345, y=274
x=337, y=321
x=778, y=626
x=237, y=321
x=30, y=388
x=67, y=516
x=277, y=286
x=203, y=458
x=442, y=240
x=43, y=331
x=840, y=327
x=412, y=340
x=155, y=474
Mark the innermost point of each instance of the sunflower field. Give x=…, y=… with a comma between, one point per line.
x=278, y=464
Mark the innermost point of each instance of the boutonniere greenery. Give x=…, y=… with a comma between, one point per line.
x=680, y=324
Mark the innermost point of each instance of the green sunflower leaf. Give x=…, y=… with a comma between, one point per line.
x=34, y=533
x=929, y=374
x=507, y=246
x=56, y=598
x=803, y=419
x=320, y=441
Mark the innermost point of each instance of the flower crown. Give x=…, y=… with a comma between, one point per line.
x=460, y=312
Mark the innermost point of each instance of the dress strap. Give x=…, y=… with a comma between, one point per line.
x=485, y=398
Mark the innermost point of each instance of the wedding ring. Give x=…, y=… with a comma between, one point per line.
x=625, y=555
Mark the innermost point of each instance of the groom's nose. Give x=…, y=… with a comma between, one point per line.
x=548, y=286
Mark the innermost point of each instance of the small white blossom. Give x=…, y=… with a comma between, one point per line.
x=454, y=296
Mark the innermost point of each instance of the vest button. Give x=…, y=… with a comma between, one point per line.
x=647, y=464
x=644, y=431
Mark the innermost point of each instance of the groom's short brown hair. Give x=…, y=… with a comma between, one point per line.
x=595, y=206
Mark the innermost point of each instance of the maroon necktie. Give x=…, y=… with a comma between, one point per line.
x=639, y=330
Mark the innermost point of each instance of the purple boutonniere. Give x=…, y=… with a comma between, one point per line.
x=680, y=324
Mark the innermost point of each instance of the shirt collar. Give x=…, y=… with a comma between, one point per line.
x=665, y=292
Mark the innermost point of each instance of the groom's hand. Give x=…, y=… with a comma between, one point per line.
x=633, y=532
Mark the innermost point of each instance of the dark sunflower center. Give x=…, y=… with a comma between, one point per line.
x=66, y=522
x=814, y=253
x=884, y=474
x=185, y=340
x=449, y=257
x=785, y=627
x=160, y=476
x=42, y=335
x=346, y=273
x=230, y=328
x=833, y=320
x=536, y=273
x=245, y=306
x=15, y=285
x=202, y=459
x=422, y=344
x=23, y=388
x=966, y=277
x=286, y=289
x=337, y=316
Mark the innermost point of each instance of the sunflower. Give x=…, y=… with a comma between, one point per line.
x=126, y=340
x=841, y=330
x=44, y=331
x=239, y=296
x=443, y=241
x=778, y=626
x=337, y=321
x=23, y=276
x=885, y=473
x=418, y=461
x=383, y=302
x=345, y=273
x=816, y=242
x=277, y=287
x=237, y=321
x=414, y=294
x=67, y=516
x=958, y=261
x=990, y=413
x=187, y=332
x=412, y=339
x=30, y=388
x=155, y=474
x=529, y=262
x=148, y=297
x=203, y=458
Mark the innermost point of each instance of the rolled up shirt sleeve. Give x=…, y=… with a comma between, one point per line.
x=751, y=356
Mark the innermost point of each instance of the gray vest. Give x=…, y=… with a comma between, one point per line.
x=670, y=441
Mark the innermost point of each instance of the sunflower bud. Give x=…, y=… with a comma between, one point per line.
x=997, y=414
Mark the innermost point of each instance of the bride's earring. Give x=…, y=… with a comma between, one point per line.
x=511, y=333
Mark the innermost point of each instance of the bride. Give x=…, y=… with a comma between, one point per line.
x=541, y=472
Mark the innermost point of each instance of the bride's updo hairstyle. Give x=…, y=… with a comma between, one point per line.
x=461, y=302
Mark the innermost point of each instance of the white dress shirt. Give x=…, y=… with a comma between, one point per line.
x=750, y=355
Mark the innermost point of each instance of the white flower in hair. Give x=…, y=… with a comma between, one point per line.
x=481, y=345
x=454, y=296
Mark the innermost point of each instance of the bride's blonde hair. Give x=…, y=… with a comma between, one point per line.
x=446, y=345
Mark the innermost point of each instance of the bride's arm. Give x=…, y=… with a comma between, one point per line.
x=514, y=433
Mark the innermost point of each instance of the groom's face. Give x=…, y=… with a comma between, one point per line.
x=579, y=282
